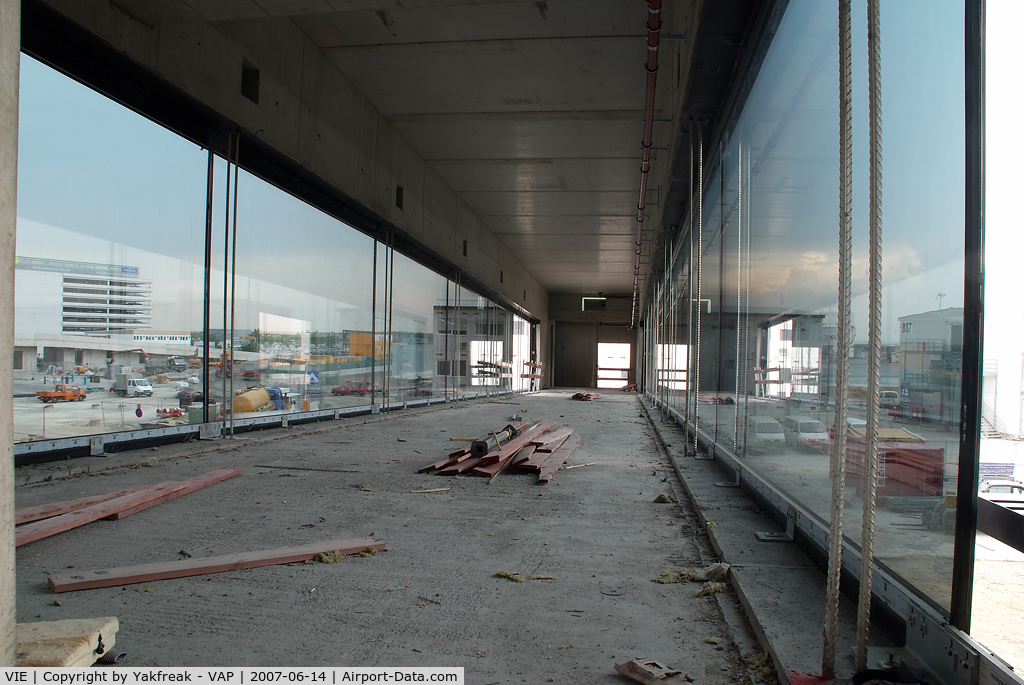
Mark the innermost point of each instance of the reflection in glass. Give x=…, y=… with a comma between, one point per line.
x=760, y=311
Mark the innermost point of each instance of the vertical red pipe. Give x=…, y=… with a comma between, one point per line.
x=653, y=38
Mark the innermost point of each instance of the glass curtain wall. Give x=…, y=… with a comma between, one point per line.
x=110, y=259
x=305, y=313
x=753, y=287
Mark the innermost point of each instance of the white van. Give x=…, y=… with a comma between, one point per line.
x=138, y=386
x=803, y=431
x=765, y=433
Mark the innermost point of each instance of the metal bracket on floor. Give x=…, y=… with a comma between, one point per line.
x=734, y=483
x=96, y=446
x=710, y=456
x=772, y=536
x=284, y=421
x=210, y=431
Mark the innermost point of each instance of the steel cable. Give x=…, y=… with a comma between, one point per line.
x=874, y=331
x=838, y=456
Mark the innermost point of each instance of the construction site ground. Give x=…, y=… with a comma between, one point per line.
x=433, y=599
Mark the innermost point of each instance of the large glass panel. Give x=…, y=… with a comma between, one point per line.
x=109, y=272
x=415, y=324
x=303, y=306
x=707, y=302
x=995, y=620
x=791, y=126
x=768, y=293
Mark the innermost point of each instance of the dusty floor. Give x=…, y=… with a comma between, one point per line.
x=433, y=598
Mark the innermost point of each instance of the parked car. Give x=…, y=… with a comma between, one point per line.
x=765, y=433
x=806, y=432
x=1001, y=487
x=888, y=398
x=351, y=388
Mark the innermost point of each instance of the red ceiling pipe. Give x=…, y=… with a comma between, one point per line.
x=653, y=38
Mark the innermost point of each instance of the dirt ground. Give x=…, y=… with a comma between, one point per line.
x=433, y=598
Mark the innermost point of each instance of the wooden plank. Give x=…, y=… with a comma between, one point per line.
x=514, y=444
x=460, y=467
x=523, y=455
x=552, y=446
x=130, y=575
x=45, y=511
x=58, y=524
x=493, y=467
x=557, y=458
x=531, y=375
x=535, y=461
x=447, y=461
x=554, y=436
x=191, y=485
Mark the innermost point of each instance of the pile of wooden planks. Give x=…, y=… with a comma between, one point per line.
x=532, y=449
x=587, y=396
x=35, y=523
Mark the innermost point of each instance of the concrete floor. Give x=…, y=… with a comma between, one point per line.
x=431, y=600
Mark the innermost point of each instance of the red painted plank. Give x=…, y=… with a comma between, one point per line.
x=557, y=458
x=191, y=485
x=45, y=511
x=552, y=446
x=460, y=467
x=522, y=455
x=129, y=575
x=58, y=524
x=494, y=466
x=554, y=436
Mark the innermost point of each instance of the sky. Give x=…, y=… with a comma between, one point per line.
x=100, y=183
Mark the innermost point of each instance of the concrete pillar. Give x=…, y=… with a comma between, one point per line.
x=10, y=54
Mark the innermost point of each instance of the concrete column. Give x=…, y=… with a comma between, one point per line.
x=10, y=54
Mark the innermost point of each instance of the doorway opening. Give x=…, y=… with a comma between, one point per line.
x=613, y=364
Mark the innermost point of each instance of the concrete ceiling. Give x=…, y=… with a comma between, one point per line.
x=532, y=111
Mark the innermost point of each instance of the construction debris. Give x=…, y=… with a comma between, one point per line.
x=645, y=670
x=129, y=575
x=714, y=572
x=710, y=588
x=762, y=665
x=515, y=577
x=664, y=499
x=587, y=396
x=519, y=447
x=76, y=642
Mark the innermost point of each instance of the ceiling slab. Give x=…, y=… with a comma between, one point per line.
x=507, y=21
x=523, y=243
x=506, y=203
x=562, y=225
x=547, y=74
x=571, y=175
x=524, y=135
